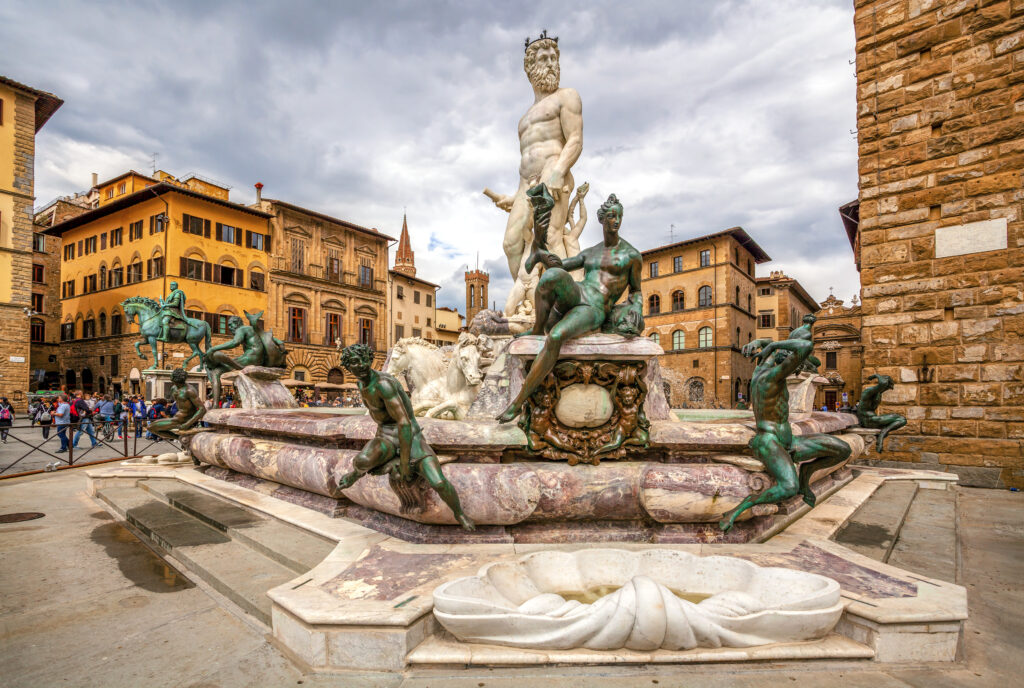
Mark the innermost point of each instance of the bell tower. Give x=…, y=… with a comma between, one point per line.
x=476, y=292
x=405, y=259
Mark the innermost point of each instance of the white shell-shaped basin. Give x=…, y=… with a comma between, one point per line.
x=517, y=603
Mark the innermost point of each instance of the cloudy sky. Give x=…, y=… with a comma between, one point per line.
x=699, y=115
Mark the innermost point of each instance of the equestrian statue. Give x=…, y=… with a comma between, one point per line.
x=164, y=320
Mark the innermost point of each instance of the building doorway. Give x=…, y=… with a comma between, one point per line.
x=70, y=381
x=86, y=380
x=831, y=399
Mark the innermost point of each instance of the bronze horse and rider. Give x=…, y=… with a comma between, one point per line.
x=164, y=320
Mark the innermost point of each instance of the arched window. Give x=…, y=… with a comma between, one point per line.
x=654, y=304
x=115, y=323
x=103, y=324
x=750, y=306
x=472, y=296
x=704, y=297
x=704, y=339
x=737, y=336
x=750, y=268
x=737, y=296
x=736, y=254
x=38, y=331
x=678, y=300
x=655, y=337
x=678, y=340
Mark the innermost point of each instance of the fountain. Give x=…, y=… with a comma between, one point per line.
x=652, y=538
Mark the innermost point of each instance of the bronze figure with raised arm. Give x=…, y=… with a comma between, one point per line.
x=568, y=309
x=774, y=444
x=867, y=409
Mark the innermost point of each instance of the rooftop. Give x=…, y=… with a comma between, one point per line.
x=131, y=199
x=46, y=103
x=737, y=233
x=407, y=276
x=329, y=218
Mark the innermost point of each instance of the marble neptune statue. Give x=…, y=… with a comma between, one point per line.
x=550, y=142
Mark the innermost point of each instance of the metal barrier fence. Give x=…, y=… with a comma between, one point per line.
x=27, y=447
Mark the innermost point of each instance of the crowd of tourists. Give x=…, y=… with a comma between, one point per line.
x=346, y=399
x=82, y=413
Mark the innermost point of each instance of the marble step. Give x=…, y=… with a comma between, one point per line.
x=293, y=547
x=232, y=568
x=444, y=650
x=874, y=528
x=928, y=540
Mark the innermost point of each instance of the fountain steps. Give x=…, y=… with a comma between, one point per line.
x=236, y=552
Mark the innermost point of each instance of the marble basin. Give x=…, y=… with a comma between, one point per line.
x=535, y=602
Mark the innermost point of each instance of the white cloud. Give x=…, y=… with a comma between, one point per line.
x=698, y=115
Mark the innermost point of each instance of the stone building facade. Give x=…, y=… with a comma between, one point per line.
x=699, y=305
x=328, y=281
x=941, y=152
x=781, y=303
x=23, y=112
x=837, y=342
x=46, y=305
x=449, y=324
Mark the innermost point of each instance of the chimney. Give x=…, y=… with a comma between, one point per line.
x=95, y=180
x=259, y=191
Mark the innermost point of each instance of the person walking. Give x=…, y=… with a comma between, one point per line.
x=63, y=419
x=44, y=417
x=122, y=417
x=139, y=414
x=6, y=418
x=80, y=410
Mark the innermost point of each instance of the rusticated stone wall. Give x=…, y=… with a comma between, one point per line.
x=941, y=150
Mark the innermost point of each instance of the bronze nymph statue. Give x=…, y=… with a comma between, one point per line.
x=567, y=309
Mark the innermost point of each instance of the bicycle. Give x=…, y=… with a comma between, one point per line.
x=107, y=429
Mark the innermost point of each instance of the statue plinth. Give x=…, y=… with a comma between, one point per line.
x=260, y=387
x=157, y=382
x=598, y=400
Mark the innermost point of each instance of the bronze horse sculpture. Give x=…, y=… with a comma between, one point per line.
x=147, y=311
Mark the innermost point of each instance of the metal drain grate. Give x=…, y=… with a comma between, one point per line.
x=22, y=516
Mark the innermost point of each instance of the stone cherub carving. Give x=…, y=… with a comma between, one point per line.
x=774, y=444
x=870, y=398
x=550, y=142
x=399, y=449
x=259, y=348
x=568, y=309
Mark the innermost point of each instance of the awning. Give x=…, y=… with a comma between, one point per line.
x=331, y=385
x=292, y=382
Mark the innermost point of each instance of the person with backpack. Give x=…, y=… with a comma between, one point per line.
x=6, y=418
x=156, y=412
x=82, y=414
x=44, y=416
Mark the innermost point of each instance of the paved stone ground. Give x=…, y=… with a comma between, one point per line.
x=22, y=438
x=83, y=603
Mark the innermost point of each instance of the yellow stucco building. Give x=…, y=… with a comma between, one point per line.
x=147, y=232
